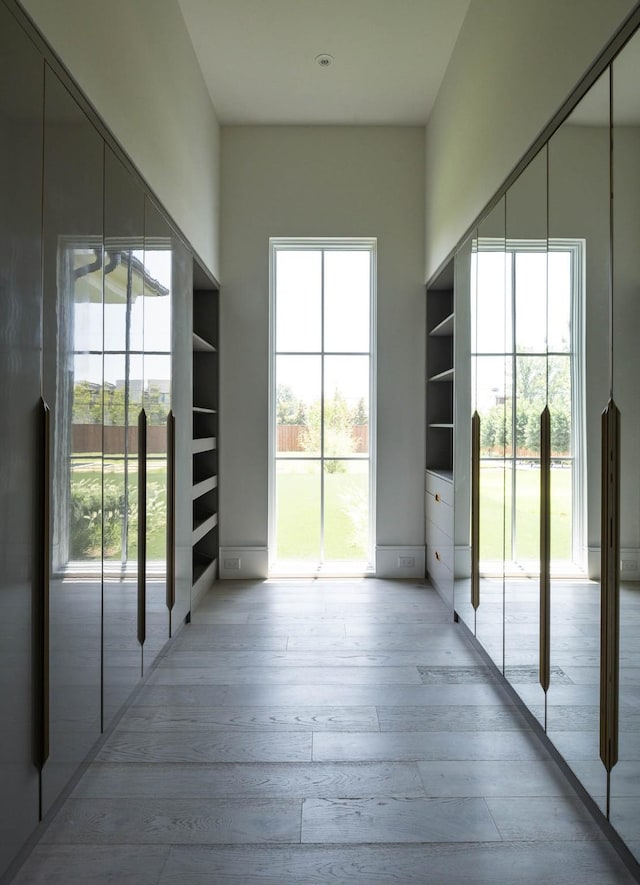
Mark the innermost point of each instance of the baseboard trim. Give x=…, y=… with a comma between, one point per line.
x=244, y=563
x=400, y=562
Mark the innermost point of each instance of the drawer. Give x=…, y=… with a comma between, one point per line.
x=440, y=544
x=438, y=573
x=439, y=513
x=437, y=486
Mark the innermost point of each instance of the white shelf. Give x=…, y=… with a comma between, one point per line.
x=447, y=375
x=204, y=571
x=201, y=411
x=202, y=345
x=202, y=527
x=443, y=473
x=444, y=426
x=204, y=486
x=443, y=329
x=203, y=444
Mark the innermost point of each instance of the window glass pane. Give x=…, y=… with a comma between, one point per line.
x=298, y=300
x=123, y=278
x=491, y=307
x=346, y=520
x=492, y=388
x=559, y=301
x=531, y=388
x=492, y=513
x=298, y=510
x=531, y=301
x=87, y=299
x=157, y=388
x=561, y=497
x=157, y=300
x=346, y=407
x=560, y=405
x=156, y=497
x=298, y=407
x=346, y=301
x=527, y=513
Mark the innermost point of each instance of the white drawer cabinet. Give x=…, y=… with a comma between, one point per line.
x=439, y=533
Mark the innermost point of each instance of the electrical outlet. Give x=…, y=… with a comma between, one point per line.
x=232, y=562
x=628, y=565
x=406, y=562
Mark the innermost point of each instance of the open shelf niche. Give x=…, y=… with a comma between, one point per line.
x=440, y=374
x=204, y=449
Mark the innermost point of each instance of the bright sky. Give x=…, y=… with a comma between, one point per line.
x=299, y=321
x=543, y=294
x=150, y=328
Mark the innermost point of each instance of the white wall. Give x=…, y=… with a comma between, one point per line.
x=514, y=64
x=320, y=182
x=135, y=63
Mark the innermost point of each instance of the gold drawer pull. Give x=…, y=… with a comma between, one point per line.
x=437, y=497
x=437, y=556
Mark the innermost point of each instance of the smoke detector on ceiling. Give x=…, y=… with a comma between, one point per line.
x=324, y=60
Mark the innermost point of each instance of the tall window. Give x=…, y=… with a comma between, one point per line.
x=322, y=393
x=526, y=352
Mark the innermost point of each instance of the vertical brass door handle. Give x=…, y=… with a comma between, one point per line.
x=43, y=558
x=475, y=510
x=545, y=548
x=142, y=527
x=610, y=587
x=171, y=510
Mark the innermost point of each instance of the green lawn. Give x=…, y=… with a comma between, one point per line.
x=527, y=513
x=97, y=505
x=298, y=513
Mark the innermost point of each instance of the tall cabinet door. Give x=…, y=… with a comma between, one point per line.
x=72, y=385
x=123, y=343
x=20, y=348
x=155, y=383
x=179, y=511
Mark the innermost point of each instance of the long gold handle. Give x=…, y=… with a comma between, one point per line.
x=545, y=548
x=610, y=587
x=43, y=579
x=475, y=510
x=142, y=527
x=171, y=511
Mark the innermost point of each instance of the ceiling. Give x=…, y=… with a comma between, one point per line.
x=258, y=58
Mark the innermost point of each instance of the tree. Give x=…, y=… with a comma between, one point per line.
x=289, y=409
x=339, y=438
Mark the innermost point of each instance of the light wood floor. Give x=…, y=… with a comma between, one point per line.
x=322, y=732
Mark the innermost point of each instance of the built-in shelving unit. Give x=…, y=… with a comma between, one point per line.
x=438, y=488
x=440, y=374
x=204, y=446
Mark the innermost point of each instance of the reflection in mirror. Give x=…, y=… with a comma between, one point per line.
x=491, y=336
x=578, y=360
x=123, y=333
x=625, y=776
x=72, y=387
x=154, y=385
x=578, y=341
x=464, y=262
x=526, y=359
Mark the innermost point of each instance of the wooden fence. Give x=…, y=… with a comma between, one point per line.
x=291, y=438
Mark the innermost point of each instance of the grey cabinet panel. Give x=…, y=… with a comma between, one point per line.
x=181, y=401
x=123, y=286
x=155, y=384
x=20, y=348
x=72, y=384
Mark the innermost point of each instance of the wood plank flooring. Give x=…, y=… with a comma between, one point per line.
x=316, y=732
